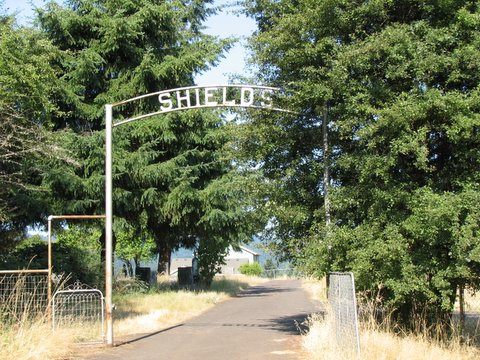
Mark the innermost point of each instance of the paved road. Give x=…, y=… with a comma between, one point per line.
x=261, y=323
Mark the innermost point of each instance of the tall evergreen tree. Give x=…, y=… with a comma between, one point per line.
x=171, y=180
x=115, y=50
x=398, y=83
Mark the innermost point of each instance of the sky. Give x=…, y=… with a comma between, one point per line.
x=224, y=24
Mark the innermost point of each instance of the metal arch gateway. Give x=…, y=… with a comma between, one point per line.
x=178, y=99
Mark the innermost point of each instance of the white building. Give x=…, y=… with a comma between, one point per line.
x=233, y=261
x=148, y=269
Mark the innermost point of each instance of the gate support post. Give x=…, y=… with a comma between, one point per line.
x=214, y=96
x=108, y=224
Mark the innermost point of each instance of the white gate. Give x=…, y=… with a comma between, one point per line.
x=82, y=309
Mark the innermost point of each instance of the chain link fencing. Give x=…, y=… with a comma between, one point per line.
x=466, y=314
x=343, y=304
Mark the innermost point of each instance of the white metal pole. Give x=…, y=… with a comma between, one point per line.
x=108, y=224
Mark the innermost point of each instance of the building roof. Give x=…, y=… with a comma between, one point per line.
x=243, y=248
x=188, y=253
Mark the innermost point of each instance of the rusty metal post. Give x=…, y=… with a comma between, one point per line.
x=49, y=276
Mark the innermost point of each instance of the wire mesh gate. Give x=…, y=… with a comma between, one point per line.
x=82, y=308
x=23, y=293
x=342, y=299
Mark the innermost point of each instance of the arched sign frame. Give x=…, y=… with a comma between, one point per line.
x=178, y=99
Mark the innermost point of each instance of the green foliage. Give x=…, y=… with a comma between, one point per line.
x=115, y=50
x=173, y=181
x=75, y=254
x=127, y=286
x=28, y=81
x=398, y=85
x=270, y=265
x=29, y=253
x=254, y=269
x=130, y=245
x=211, y=256
x=170, y=176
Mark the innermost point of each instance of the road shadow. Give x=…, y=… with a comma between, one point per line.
x=257, y=291
x=293, y=324
x=139, y=337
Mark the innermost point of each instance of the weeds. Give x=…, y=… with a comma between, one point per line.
x=24, y=329
x=139, y=309
x=381, y=338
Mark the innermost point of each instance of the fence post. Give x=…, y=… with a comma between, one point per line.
x=461, y=300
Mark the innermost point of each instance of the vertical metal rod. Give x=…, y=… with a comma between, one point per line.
x=102, y=306
x=49, y=276
x=326, y=169
x=355, y=314
x=108, y=224
x=53, y=313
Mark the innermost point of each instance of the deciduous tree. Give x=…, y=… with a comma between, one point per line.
x=399, y=81
x=26, y=83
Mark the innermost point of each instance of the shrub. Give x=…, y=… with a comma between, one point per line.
x=254, y=269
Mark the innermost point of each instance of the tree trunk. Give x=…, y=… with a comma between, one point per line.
x=103, y=247
x=461, y=300
x=164, y=260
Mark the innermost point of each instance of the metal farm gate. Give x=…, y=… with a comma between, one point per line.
x=82, y=308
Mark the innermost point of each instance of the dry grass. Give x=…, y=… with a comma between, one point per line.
x=152, y=311
x=24, y=332
x=34, y=341
x=316, y=289
x=386, y=345
x=380, y=344
x=28, y=339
